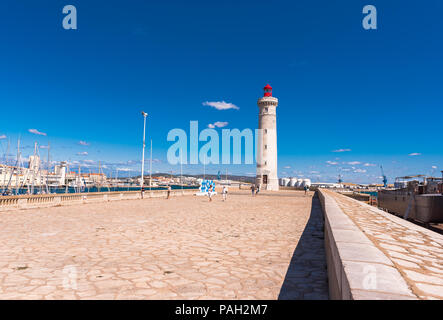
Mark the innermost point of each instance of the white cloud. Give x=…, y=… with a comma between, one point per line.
x=354, y=163
x=332, y=163
x=370, y=165
x=414, y=154
x=44, y=147
x=218, y=124
x=314, y=172
x=83, y=143
x=35, y=131
x=82, y=153
x=287, y=167
x=360, y=171
x=221, y=105
x=124, y=169
x=2, y=136
x=434, y=167
x=342, y=150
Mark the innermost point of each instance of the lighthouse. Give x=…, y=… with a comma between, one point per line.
x=267, y=177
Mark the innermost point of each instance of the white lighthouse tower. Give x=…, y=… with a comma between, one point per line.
x=267, y=141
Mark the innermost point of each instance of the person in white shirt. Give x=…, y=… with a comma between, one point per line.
x=225, y=193
x=169, y=192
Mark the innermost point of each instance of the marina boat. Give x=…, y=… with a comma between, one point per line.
x=418, y=198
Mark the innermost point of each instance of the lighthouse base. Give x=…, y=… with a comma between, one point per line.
x=265, y=183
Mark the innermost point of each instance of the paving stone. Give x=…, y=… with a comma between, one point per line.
x=433, y=290
x=376, y=295
x=375, y=277
x=406, y=264
x=420, y=277
x=438, y=271
x=393, y=247
x=362, y=252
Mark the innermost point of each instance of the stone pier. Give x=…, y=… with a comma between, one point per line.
x=276, y=245
x=265, y=247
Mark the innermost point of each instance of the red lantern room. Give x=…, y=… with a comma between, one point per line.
x=268, y=91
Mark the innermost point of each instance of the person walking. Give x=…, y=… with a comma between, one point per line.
x=306, y=189
x=258, y=189
x=225, y=193
x=253, y=190
x=169, y=192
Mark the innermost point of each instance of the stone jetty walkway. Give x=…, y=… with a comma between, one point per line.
x=266, y=247
x=416, y=252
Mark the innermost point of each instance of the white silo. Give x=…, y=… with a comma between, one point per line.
x=286, y=182
x=292, y=182
x=299, y=182
x=306, y=183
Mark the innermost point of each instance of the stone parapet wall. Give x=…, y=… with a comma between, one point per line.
x=357, y=269
x=50, y=200
x=372, y=254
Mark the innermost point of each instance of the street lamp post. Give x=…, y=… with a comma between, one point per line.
x=181, y=169
x=150, y=170
x=143, y=154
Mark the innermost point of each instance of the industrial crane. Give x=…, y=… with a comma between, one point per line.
x=385, y=180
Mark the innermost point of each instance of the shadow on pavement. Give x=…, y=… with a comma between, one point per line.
x=306, y=277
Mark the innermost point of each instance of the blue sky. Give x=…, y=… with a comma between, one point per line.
x=378, y=92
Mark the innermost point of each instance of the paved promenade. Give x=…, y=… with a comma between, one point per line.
x=266, y=247
x=417, y=253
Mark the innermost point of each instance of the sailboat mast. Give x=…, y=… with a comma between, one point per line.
x=150, y=170
x=181, y=168
x=48, y=169
x=6, y=166
x=18, y=164
x=99, y=176
x=79, y=184
x=66, y=177
x=33, y=168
